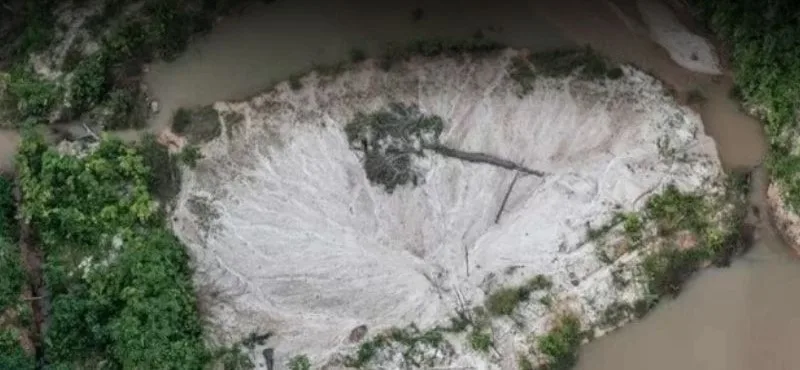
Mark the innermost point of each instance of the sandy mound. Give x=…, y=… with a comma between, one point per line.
x=687, y=49
x=281, y=217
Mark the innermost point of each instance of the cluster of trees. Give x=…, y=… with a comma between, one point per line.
x=762, y=36
x=118, y=280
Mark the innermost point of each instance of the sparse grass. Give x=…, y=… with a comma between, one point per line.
x=90, y=83
x=299, y=362
x=539, y=282
x=232, y=359
x=480, y=341
x=616, y=313
x=415, y=345
x=716, y=233
x=523, y=74
x=594, y=233
x=505, y=300
x=633, y=226
x=564, y=62
x=30, y=95
x=666, y=271
x=675, y=210
x=189, y=155
x=559, y=347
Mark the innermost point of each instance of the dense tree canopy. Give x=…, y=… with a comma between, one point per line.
x=120, y=286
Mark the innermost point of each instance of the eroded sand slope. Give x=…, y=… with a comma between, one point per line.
x=281, y=217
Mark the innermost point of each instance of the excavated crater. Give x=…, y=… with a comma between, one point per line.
x=376, y=199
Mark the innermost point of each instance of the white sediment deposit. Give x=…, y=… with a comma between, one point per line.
x=282, y=220
x=686, y=48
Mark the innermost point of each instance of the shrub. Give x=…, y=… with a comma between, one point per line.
x=560, y=346
x=615, y=313
x=666, y=271
x=300, y=362
x=505, y=300
x=198, y=125
x=121, y=110
x=31, y=95
x=480, y=341
x=89, y=84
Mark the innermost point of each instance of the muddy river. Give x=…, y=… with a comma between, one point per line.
x=742, y=317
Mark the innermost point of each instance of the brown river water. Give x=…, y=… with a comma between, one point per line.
x=741, y=317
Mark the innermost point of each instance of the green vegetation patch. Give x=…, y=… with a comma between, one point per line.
x=480, y=341
x=199, y=125
x=687, y=230
x=299, y=362
x=12, y=355
x=389, y=139
x=586, y=62
x=505, y=300
x=29, y=95
x=559, y=347
x=121, y=291
x=418, y=349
